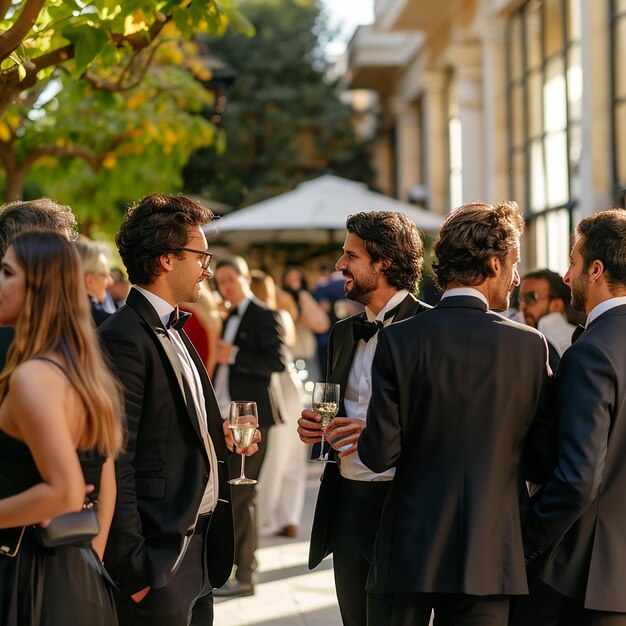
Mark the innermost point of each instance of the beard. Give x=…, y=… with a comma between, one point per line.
x=361, y=288
x=579, y=288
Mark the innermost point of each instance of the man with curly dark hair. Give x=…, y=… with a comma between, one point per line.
x=455, y=391
x=171, y=539
x=381, y=264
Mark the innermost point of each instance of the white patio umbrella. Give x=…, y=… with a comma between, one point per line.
x=314, y=212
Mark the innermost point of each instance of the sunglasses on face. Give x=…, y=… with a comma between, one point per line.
x=530, y=297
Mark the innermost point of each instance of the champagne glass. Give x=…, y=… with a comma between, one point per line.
x=325, y=404
x=242, y=421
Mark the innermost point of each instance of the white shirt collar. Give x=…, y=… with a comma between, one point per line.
x=391, y=303
x=163, y=309
x=465, y=291
x=242, y=307
x=603, y=307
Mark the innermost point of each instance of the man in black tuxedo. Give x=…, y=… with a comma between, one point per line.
x=18, y=217
x=574, y=538
x=455, y=391
x=171, y=538
x=249, y=352
x=381, y=265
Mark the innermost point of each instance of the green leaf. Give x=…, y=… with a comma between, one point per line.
x=88, y=42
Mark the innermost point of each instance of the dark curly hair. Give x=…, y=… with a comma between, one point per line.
x=156, y=225
x=470, y=236
x=605, y=241
x=391, y=235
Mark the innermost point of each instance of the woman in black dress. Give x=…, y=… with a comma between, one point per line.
x=59, y=425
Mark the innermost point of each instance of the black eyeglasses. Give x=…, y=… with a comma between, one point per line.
x=208, y=256
x=530, y=297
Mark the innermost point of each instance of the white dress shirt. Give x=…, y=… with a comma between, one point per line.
x=164, y=310
x=222, y=374
x=557, y=330
x=358, y=392
x=603, y=307
x=465, y=291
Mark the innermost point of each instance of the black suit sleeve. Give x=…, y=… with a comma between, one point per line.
x=263, y=355
x=585, y=399
x=380, y=443
x=126, y=363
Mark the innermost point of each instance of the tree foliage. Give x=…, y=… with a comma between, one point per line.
x=118, y=107
x=37, y=36
x=284, y=121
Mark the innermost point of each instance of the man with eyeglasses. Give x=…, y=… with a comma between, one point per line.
x=18, y=217
x=544, y=301
x=171, y=538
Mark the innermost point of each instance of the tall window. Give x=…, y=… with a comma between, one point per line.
x=545, y=102
x=618, y=56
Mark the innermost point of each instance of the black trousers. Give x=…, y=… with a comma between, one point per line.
x=414, y=609
x=244, y=509
x=190, y=591
x=357, y=511
x=544, y=606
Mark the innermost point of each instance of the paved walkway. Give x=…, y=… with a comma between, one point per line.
x=287, y=593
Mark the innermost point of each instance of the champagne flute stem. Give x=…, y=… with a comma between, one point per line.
x=321, y=457
x=243, y=461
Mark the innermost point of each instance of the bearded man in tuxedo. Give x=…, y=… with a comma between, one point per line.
x=455, y=392
x=574, y=538
x=381, y=265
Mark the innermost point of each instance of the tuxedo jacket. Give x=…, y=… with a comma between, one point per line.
x=579, y=523
x=455, y=391
x=341, y=350
x=162, y=472
x=260, y=353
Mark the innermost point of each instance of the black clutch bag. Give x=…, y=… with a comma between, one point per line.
x=69, y=529
x=10, y=540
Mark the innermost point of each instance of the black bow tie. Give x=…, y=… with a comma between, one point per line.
x=578, y=331
x=177, y=319
x=362, y=329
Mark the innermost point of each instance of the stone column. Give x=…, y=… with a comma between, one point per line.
x=408, y=147
x=596, y=158
x=436, y=127
x=495, y=110
x=468, y=70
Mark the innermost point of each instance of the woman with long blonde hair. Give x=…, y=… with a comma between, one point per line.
x=60, y=428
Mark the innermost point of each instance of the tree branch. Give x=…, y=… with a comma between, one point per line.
x=72, y=150
x=104, y=85
x=5, y=5
x=12, y=38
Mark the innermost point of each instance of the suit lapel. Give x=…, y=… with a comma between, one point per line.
x=147, y=312
x=242, y=329
x=345, y=355
x=408, y=308
x=212, y=409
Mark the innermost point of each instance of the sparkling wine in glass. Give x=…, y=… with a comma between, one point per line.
x=242, y=421
x=326, y=405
